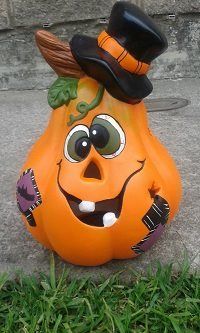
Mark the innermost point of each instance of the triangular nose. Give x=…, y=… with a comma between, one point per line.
x=92, y=171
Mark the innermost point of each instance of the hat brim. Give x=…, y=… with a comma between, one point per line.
x=100, y=65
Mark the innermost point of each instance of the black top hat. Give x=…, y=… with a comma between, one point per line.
x=121, y=55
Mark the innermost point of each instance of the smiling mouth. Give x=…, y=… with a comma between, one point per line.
x=102, y=213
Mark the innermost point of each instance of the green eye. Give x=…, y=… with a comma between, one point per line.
x=107, y=136
x=77, y=144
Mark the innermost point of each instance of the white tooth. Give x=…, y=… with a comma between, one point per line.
x=87, y=206
x=109, y=219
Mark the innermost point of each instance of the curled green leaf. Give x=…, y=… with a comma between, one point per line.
x=62, y=91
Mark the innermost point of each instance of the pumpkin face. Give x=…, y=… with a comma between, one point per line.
x=101, y=188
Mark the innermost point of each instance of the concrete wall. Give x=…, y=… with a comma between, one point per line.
x=22, y=67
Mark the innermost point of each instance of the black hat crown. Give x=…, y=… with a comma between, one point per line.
x=121, y=55
x=136, y=32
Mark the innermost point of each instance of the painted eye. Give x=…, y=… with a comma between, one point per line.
x=107, y=136
x=77, y=144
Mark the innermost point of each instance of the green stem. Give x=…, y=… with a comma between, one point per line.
x=83, y=107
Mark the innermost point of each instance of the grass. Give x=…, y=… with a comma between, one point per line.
x=161, y=302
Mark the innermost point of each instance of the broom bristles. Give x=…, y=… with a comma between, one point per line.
x=57, y=54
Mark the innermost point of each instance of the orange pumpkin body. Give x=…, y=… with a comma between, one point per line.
x=143, y=156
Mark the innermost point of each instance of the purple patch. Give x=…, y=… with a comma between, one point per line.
x=152, y=238
x=155, y=220
x=28, y=195
x=149, y=240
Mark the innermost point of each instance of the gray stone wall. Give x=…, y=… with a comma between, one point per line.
x=22, y=67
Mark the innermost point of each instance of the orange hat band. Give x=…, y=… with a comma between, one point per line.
x=127, y=61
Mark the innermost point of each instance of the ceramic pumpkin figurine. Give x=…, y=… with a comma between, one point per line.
x=98, y=185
